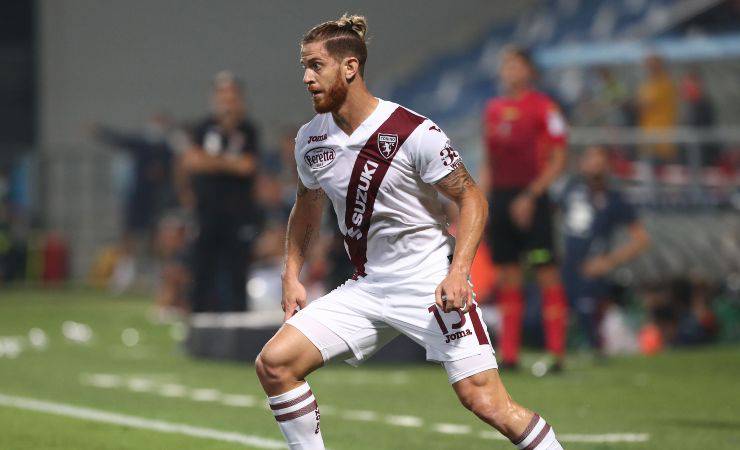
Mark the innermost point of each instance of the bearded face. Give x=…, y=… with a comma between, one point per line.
x=323, y=78
x=332, y=97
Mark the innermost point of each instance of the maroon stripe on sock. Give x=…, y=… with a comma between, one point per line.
x=311, y=407
x=525, y=433
x=370, y=168
x=539, y=438
x=478, y=326
x=289, y=403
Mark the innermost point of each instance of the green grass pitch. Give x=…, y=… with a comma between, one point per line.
x=683, y=400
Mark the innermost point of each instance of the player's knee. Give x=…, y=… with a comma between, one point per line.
x=271, y=368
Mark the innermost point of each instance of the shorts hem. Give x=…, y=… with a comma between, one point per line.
x=456, y=357
x=471, y=372
x=355, y=351
x=311, y=337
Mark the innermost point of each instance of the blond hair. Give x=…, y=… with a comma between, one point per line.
x=342, y=37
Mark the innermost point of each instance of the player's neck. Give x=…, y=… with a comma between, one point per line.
x=357, y=107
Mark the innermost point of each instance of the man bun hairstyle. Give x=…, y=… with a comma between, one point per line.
x=342, y=37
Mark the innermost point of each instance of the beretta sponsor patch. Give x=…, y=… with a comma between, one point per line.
x=319, y=157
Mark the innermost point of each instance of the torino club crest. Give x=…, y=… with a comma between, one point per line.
x=387, y=144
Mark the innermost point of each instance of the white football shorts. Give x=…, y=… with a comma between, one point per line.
x=361, y=316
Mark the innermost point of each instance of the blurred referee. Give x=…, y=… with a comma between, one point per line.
x=220, y=171
x=525, y=141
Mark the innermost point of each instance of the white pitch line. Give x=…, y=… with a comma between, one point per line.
x=237, y=400
x=96, y=415
x=172, y=390
x=605, y=438
x=140, y=384
x=404, y=421
x=361, y=415
x=610, y=438
x=205, y=395
x=451, y=428
x=101, y=380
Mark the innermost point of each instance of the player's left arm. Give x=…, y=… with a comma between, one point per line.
x=455, y=291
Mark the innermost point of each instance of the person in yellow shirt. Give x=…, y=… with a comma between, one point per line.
x=657, y=101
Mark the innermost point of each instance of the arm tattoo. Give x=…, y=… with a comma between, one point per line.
x=309, y=194
x=457, y=183
x=306, y=240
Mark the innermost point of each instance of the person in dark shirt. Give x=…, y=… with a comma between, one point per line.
x=151, y=187
x=220, y=170
x=592, y=213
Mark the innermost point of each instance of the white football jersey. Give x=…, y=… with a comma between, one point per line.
x=379, y=180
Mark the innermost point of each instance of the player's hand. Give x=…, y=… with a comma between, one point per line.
x=597, y=266
x=522, y=210
x=294, y=297
x=454, y=292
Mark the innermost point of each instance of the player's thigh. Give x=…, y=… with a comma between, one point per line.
x=445, y=336
x=346, y=323
x=485, y=384
x=470, y=367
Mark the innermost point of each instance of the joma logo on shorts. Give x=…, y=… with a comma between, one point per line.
x=361, y=198
x=459, y=335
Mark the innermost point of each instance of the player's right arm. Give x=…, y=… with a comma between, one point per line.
x=303, y=224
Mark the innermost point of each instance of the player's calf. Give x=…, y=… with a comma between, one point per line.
x=486, y=397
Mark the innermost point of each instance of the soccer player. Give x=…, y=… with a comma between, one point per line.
x=382, y=167
x=525, y=140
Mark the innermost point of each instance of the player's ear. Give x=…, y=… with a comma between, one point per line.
x=351, y=68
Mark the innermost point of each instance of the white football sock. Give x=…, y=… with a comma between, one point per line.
x=537, y=436
x=297, y=414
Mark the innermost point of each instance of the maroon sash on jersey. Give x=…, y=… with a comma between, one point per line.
x=370, y=167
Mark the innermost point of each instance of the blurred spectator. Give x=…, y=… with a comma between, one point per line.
x=609, y=103
x=13, y=245
x=680, y=313
x=699, y=111
x=151, y=190
x=657, y=102
x=172, y=240
x=219, y=171
x=593, y=211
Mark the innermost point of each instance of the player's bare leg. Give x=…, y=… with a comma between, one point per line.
x=485, y=395
x=554, y=311
x=282, y=366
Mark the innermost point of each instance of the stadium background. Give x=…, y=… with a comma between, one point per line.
x=72, y=304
